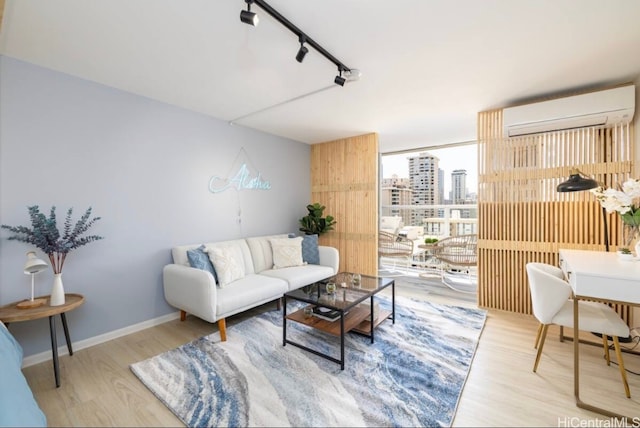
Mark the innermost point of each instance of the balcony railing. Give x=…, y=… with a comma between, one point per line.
x=436, y=221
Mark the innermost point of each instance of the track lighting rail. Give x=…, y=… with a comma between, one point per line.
x=298, y=32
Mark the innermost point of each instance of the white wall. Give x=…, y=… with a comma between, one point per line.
x=144, y=167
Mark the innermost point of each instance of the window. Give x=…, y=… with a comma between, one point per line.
x=440, y=179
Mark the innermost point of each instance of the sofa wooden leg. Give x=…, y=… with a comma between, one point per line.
x=222, y=326
x=279, y=303
x=183, y=315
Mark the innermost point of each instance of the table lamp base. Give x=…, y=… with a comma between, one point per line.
x=28, y=304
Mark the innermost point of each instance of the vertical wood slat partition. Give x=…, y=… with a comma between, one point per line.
x=1, y=13
x=522, y=218
x=344, y=178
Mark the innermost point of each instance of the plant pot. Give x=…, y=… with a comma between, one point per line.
x=57, y=291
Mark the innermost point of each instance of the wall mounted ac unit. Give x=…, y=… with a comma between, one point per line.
x=602, y=108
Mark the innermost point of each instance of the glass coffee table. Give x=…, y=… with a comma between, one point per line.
x=349, y=309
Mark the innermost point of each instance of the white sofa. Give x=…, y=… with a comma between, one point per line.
x=195, y=291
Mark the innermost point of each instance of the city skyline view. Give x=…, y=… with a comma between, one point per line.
x=420, y=199
x=450, y=159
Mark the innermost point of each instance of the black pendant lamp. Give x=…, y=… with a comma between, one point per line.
x=577, y=182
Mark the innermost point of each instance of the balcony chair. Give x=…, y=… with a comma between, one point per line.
x=391, y=224
x=458, y=256
x=395, y=247
x=551, y=305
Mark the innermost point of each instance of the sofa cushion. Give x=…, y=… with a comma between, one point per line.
x=310, y=253
x=242, y=247
x=248, y=292
x=179, y=254
x=261, y=251
x=199, y=259
x=287, y=252
x=299, y=276
x=228, y=263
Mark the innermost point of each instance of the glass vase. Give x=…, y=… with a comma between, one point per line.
x=631, y=235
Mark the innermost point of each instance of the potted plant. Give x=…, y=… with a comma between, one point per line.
x=45, y=235
x=313, y=223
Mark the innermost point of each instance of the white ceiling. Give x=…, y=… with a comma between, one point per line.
x=428, y=66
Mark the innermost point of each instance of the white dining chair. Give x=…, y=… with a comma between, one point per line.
x=550, y=297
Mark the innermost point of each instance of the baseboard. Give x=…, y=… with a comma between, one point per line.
x=96, y=340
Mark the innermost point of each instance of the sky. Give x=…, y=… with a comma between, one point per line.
x=461, y=157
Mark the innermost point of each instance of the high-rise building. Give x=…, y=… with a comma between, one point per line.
x=441, y=199
x=394, y=192
x=424, y=179
x=459, y=186
x=459, y=195
x=395, y=181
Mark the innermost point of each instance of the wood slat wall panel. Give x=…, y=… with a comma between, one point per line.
x=521, y=216
x=1, y=13
x=344, y=178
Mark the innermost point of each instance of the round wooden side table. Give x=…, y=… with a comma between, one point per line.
x=11, y=313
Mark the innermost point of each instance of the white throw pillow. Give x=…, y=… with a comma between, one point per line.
x=228, y=263
x=287, y=252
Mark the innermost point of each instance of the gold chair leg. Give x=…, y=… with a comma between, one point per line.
x=540, y=345
x=535, y=346
x=605, y=344
x=616, y=345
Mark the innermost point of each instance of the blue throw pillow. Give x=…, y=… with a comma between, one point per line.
x=200, y=260
x=310, y=252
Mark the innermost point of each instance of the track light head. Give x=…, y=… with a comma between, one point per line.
x=301, y=53
x=249, y=17
x=339, y=80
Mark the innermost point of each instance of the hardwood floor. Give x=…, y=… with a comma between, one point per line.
x=98, y=389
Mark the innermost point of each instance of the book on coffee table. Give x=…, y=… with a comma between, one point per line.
x=326, y=313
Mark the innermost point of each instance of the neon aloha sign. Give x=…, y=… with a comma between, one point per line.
x=242, y=178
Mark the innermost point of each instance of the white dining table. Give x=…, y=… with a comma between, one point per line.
x=602, y=276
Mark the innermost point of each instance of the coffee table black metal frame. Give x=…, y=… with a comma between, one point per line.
x=345, y=300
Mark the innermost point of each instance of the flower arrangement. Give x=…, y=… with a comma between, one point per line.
x=45, y=235
x=626, y=202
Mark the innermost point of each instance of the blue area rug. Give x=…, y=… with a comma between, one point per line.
x=412, y=375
